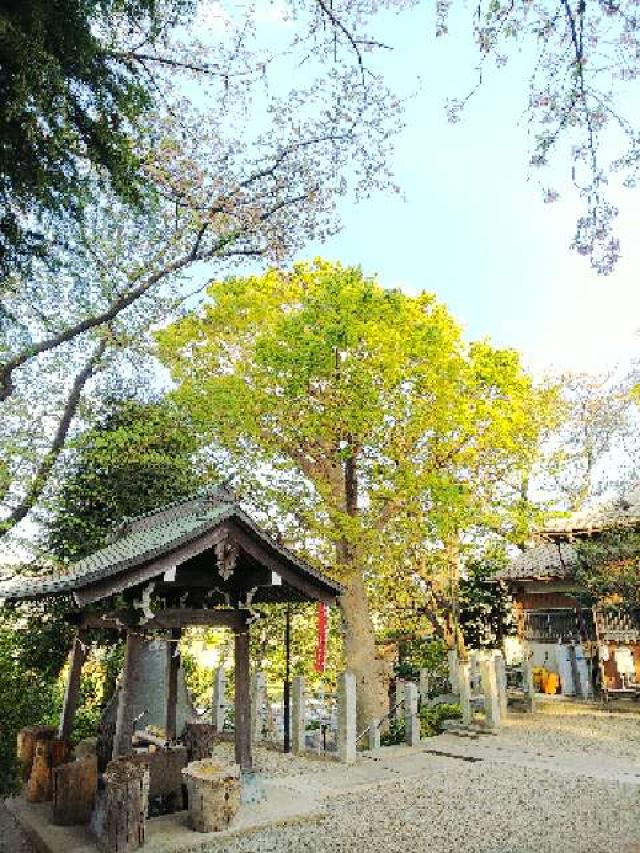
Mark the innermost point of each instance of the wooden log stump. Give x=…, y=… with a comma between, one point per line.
x=49, y=754
x=165, y=777
x=124, y=806
x=74, y=791
x=214, y=794
x=26, y=745
x=199, y=739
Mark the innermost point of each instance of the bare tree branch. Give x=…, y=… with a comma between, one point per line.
x=43, y=472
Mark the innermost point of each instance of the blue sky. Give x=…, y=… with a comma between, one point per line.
x=473, y=226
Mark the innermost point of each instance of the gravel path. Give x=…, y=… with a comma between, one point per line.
x=431, y=803
x=485, y=806
x=602, y=733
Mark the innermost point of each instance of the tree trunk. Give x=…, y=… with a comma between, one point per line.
x=455, y=638
x=372, y=674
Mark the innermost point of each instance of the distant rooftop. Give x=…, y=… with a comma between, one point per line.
x=623, y=510
x=544, y=561
x=552, y=556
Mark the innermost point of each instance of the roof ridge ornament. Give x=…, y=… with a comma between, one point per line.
x=226, y=554
x=221, y=493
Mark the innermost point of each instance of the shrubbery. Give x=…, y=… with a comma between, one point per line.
x=431, y=720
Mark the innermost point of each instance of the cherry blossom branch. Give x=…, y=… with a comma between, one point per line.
x=45, y=468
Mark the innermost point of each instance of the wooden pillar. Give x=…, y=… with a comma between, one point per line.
x=125, y=714
x=77, y=657
x=171, y=685
x=286, y=715
x=242, y=699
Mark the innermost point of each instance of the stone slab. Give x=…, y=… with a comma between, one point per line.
x=169, y=833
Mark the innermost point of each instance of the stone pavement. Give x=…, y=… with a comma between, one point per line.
x=12, y=839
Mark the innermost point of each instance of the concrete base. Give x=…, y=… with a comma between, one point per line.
x=168, y=833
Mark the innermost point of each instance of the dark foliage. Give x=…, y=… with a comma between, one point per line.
x=69, y=100
x=609, y=567
x=138, y=457
x=486, y=608
x=33, y=646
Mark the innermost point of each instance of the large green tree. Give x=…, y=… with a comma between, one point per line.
x=363, y=414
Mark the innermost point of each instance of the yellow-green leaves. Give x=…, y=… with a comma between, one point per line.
x=403, y=433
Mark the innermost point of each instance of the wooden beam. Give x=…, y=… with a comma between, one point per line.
x=176, y=617
x=242, y=700
x=173, y=617
x=171, y=684
x=315, y=590
x=203, y=578
x=77, y=657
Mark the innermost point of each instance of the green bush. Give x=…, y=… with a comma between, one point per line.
x=431, y=719
x=26, y=698
x=394, y=734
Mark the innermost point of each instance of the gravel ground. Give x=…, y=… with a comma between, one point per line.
x=462, y=807
x=615, y=734
x=482, y=807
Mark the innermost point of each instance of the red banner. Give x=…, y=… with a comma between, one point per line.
x=321, y=639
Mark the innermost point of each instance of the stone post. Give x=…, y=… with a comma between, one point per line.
x=171, y=685
x=298, y=715
x=501, y=682
x=411, y=719
x=219, y=702
x=452, y=658
x=258, y=700
x=423, y=685
x=490, y=690
x=346, y=689
x=464, y=691
x=128, y=689
x=527, y=676
x=398, y=697
x=374, y=735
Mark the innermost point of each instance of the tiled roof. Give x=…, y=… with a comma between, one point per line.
x=621, y=511
x=544, y=561
x=146, y=537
